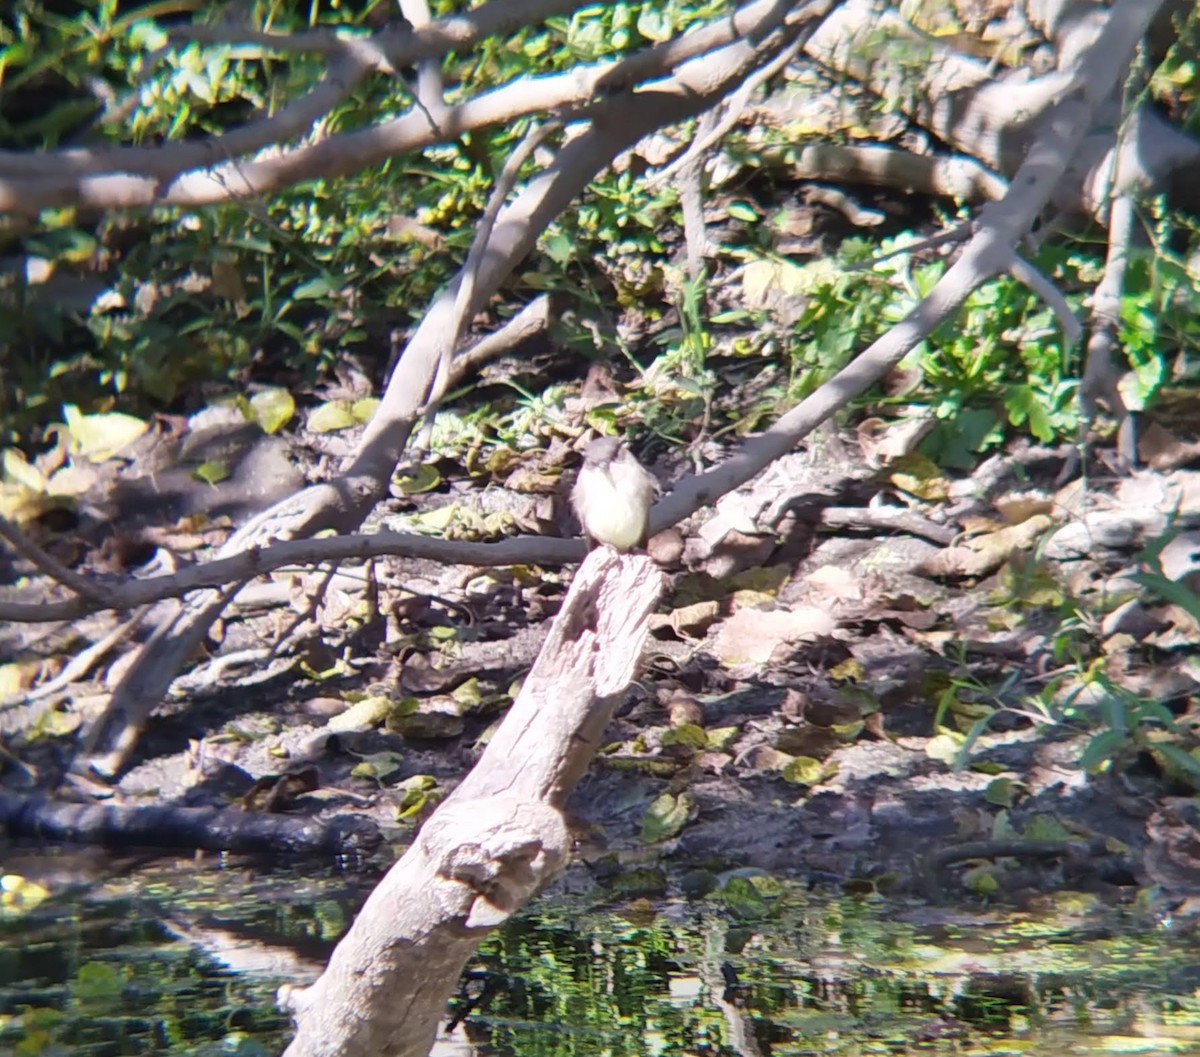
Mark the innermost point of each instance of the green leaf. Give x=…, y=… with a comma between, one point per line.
x=722, y=739
x=468, y=694
x=272, y=409
x=1000, y=792
x=943, y=747
x=688, y=735
x=14, y=468
x=803, y=770
x=211, y=471
x=1172, y=591
x=97, y=983
x=378, y=765
x=100, y=437
x=313, y=289
x=364, y=410
x=654, y=24
x=145, y=35
x=742, y=211
x=1024, y=405
x=559, y=247
x=425, y=479
x=982, y=881
x=412, y=802
x=328, y=418
x=744, y=900
x=1046, y=827
x=19, y=895
x=366, y=714
x=1182, y=762
x=1101, y=749
x=666, y=817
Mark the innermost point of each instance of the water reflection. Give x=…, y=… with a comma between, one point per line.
x=141, y=956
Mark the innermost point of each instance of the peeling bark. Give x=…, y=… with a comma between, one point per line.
x=494, y=842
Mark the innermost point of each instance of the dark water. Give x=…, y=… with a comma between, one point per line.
x=147, y=956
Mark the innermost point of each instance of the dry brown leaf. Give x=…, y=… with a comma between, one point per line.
x=976, y=525
x=404, y=229
x=836, y=582
x=985, y=554
x=1021, y=506
x=882, y=442
x=1160, y=449
x=765, y=758
x=753, y=635
x=683, y=708
x=688, y=621
x=1071, y=500
x=1183, y=632
x=1181, y=556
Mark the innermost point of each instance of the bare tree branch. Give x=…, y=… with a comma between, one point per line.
x=1100, y=373
x=236, y=568
x=956, y=177
x=400, y=45
x=346, y=71
x=496, y=840
x=429, y=92
x=345, y=502
x=991, y=117
x=618, y=123
x=1100, y=61
x=533, y=319
x=464, y=297
x=51, y=566
x=731, y=113
x=127, y=187
x=1026, y=273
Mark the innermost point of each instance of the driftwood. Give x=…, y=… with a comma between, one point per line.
x=495, y=841
x=204, y=828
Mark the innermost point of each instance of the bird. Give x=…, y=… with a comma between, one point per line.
x=612, y=495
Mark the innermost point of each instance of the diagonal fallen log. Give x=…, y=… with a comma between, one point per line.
x=495, y=842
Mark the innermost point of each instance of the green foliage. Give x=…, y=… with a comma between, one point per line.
x=317, y=272
x=1082, y=693
x=1175, y=82
x=295, y=285
x=998, y=366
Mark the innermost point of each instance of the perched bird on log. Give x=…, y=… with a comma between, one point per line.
x=612, y=495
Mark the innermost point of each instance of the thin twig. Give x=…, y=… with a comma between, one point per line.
x=732, y=112
x=52, y=567
x=958, y=234
x=429, y=91
x=1024, y=272
x=80, y=664
x=465, y=295
x=533, y=319
x=130, y=187
x=347, y=68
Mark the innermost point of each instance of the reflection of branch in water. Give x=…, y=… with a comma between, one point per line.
x=732, y=1003
x=476, y=988
x=242, y=954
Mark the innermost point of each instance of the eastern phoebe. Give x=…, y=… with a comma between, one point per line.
x=612, y=495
